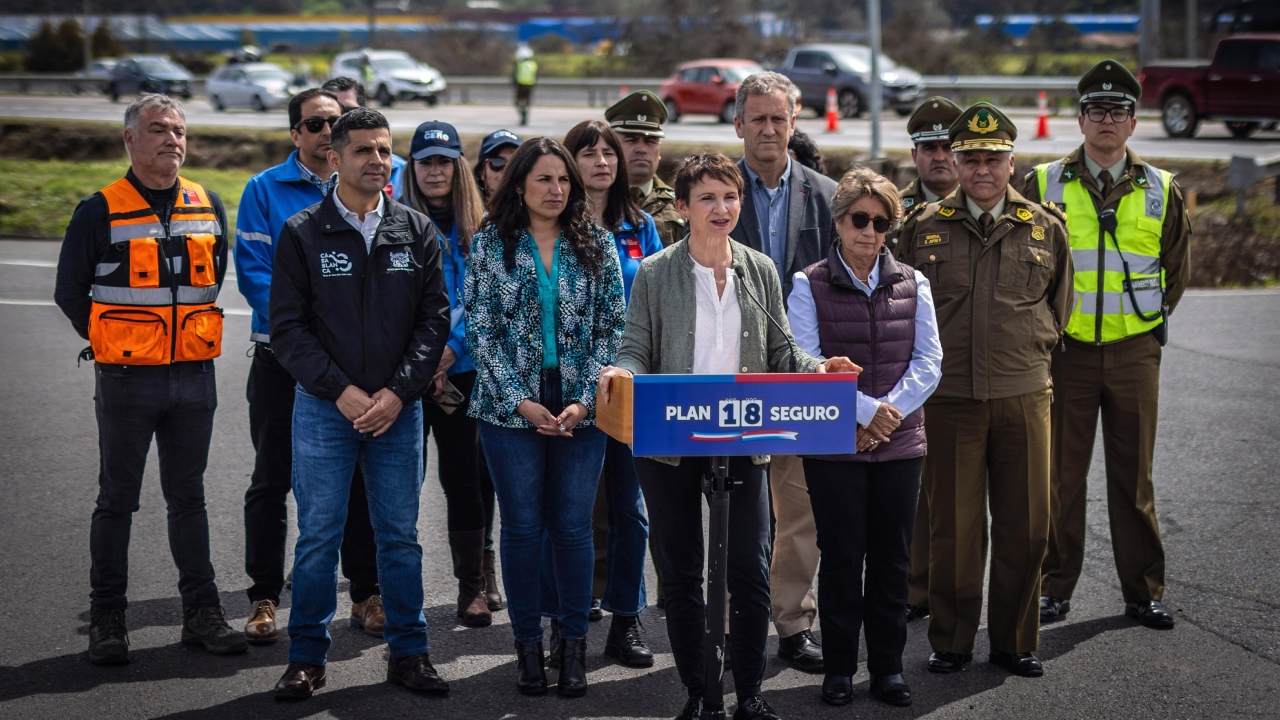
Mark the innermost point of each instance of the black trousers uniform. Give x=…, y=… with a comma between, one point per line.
x=266, y=522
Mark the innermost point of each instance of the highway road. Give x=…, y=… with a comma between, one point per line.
x=1212, y=142
x=1218, y=502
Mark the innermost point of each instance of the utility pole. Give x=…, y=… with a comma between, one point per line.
x=877, y=95
x=1149, y=47
x=373, y=22
x=1193, y=22
x=88, y=41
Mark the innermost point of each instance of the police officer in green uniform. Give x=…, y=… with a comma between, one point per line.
x=936, y=178
x=1130, y=240
x=999, y=266
x=638, y=119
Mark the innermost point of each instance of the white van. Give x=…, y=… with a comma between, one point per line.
x=390, y=75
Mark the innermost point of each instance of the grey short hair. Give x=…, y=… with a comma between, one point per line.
x=150, y=100
x=765, y=83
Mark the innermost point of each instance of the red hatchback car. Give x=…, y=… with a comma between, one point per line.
x=705, y=86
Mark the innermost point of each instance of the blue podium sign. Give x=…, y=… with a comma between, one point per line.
x=755, y=414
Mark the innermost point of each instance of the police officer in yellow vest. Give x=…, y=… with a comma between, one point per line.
x=1000, y=269
x=1130, y=240
x=140, y=269
x=525, y=76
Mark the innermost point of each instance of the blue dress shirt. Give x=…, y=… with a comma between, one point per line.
x=772, y=210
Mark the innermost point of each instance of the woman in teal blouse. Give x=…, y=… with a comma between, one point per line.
x=544, y=306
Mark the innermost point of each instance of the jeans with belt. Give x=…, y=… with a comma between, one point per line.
x=326, y=449
x=674, y=495
x=270, y=392
x=175, y=403
x=545, y=485
x=865, y=512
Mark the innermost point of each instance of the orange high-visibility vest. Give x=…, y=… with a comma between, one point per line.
x=154, y=290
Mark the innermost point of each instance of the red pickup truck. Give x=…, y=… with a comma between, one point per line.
x=1241, y=87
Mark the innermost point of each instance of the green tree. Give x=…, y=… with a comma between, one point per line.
x=60, y=50
x=104, y=42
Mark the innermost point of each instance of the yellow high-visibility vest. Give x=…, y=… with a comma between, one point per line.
x=526, y=72
x=1104, y=311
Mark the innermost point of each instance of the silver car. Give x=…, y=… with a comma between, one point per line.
x=260, y=86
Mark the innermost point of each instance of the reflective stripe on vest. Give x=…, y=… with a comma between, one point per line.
x=140, y=314
x=1099, y=275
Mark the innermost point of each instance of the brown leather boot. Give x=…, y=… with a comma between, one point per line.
x=492, y=597
x=468, y=567
x=261, y=628
x=369, y=615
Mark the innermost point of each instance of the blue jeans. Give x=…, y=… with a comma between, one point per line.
x=325, y=452
x=545, y=485
x=624, y=591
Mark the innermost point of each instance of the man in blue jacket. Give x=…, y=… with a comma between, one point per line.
x=270, y=198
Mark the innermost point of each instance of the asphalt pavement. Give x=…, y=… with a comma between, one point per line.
x=1217, y=499
x=1213, y=142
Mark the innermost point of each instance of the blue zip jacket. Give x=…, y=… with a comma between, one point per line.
x=270, y=198
x=397, y=176
x=633, y=247
x=454, y=264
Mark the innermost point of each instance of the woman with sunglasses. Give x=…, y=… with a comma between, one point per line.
x=861, y=303
x=438, y=185
x=620, y=528
x=545, y=312
x=496, y=150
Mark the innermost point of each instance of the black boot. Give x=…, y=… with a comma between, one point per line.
x=626, y=642
x=108, y=637
x=573, y=667
x=468, y=566
x=531, y=670
x=208, y=626
x=553, y=660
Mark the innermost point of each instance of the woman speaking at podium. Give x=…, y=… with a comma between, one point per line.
x=709, y=305
x=859, y=302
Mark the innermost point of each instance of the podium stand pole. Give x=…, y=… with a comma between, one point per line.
x=716, y=484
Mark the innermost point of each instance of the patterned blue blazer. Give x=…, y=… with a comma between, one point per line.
x=504, y=326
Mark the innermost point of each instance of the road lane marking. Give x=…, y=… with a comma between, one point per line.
x=50, y=303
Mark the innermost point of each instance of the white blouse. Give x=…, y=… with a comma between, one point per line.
x=717, y=339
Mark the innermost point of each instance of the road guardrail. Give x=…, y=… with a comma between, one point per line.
x=1244, y=172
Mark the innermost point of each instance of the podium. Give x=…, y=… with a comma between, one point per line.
x=721, y=416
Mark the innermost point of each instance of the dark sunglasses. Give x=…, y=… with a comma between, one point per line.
x=861, y=220
x=1118, y=114
x=316, y=124
x=497, y=163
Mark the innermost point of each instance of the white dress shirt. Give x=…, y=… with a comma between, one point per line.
x=925, y=370
x=367, y=227
x=717, y=338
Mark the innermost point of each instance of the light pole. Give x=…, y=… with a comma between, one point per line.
x=88, y=41
x=1193, y=20
x=1149, y=32
x=877, y=97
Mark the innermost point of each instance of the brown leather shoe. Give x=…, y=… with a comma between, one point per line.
x=261, y=628
x=416, y=673
x=492, y=597
x=369, y=615
x=475, y=613
x=299, y=681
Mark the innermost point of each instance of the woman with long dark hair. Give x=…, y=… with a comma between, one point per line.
x=439, y=185
x=544, y=306
x=620, y=528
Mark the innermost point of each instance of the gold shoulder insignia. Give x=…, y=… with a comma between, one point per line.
x=914, y=210
x=946, y=212
x=1055, y=210
x=1024, y=214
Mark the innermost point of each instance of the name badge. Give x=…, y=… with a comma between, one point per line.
x=634, y=251
x=933, y=239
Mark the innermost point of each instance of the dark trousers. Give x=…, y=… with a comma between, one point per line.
x=865, y=513
x=271, y=390
x=1120, y=381
x=674, y=497
x=458, y=457
x=175, y=403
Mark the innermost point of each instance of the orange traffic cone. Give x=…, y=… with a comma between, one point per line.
x=623, y=92
x=1042, y=125
x=833, y=112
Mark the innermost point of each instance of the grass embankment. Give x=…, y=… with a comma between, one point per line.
x=37, y=197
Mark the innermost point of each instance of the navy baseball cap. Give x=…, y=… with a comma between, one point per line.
x=435, y=138
x=495, y=140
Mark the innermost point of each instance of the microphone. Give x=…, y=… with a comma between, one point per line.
x=795, y=349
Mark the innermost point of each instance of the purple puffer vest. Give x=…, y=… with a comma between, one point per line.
x=877, y=332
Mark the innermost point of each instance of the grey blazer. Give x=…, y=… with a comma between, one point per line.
x=809, y=224
x=663, y=310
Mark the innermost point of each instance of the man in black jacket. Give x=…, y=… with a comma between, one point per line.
x=359, y=316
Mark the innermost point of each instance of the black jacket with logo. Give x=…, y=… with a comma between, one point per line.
x=342, y=316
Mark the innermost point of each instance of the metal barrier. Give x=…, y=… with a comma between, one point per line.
x=1245, y=171
x=594, y=91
